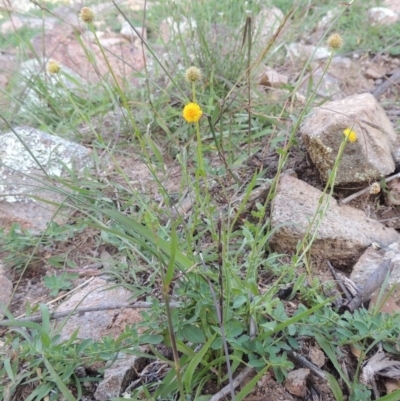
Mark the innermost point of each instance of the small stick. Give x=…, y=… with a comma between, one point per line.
x=306, y=363
x=341, y=285
x=59, y=315
x=365, y=190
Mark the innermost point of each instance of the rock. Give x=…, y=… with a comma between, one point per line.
x=327, y=19
x=6, y=289
x=33, y=76
x=12, y=25
x=61, y=44
x=267, y=22
x=343, y=235
x=367, y=265
x=118, y=376
x=296, y=382
x=317, y=357
x=23, y=180
x=272, y=79
x=130, y=34
x=96, y=325
x=16, y=6
x=169, y=28
x=374, y=153
x=393, y=5
x=15, y=23
x=304, y=52
x=382, y=16
x=342, y=78
x=371, y=259
x=392, y=194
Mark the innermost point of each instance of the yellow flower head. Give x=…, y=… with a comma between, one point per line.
x=335, y=41
x=53, y=67
x=350, y=135
x=87, y=15
x=192, y=112
x=192, y=74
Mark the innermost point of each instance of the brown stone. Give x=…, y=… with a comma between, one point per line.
x=344, y=233
x=370, y=157
x=61, y=44
x=296, y=382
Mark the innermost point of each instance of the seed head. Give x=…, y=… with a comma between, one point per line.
x=87, y=15
x=192, y=74
x=335, y=41
x=192, y=112
x=350, y=135
x=375, y=188
x=53, y=67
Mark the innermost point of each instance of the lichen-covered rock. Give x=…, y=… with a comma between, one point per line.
x=370, y=157
x=29, y=160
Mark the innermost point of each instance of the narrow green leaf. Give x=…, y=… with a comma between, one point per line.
x=188, y=375
x=334, y=385
x=294, y=319
x=63, y=388
x=327, y=348
x=8, y=368
x=395, y=396
x=251, y=384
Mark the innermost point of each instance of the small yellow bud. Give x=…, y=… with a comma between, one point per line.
x=375, y=188
x=87, y=15
x=192, y=74
x=53, y=67
x=335, y=41
x=350, y=135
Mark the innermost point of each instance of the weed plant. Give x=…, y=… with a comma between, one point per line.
x=207, y=293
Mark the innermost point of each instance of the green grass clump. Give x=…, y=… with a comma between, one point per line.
x=206, y=271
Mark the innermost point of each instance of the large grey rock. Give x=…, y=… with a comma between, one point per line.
x=38, y=87
x=26, y=193
x=344, y=234
x=374, y=153
x=382, y=16
x=103, y=323
x=267, y=23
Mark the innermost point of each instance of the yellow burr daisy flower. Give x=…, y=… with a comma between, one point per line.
x=87, y=15
x=192, y=112
x=53, y=67
x=350, y=135
x=192, y=74
x=335, y=41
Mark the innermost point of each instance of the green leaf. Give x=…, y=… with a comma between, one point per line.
x=251, y=384
x=239, y=301
x=60, y=384
x=193, y=334
x=334, y=385
x=395, y=396
x=151, y=339
x=199, y=357
x=84, y=344
x=328, y=349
